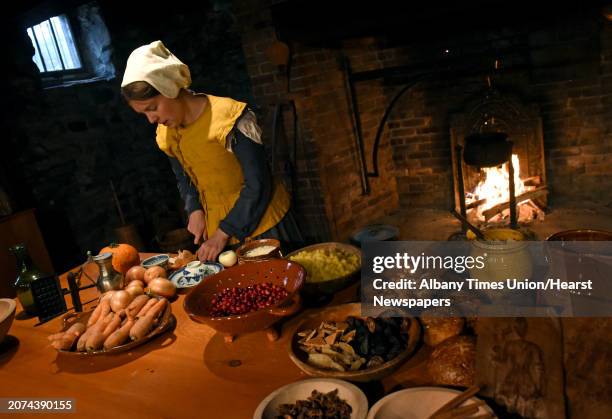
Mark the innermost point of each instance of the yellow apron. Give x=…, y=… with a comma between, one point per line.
x=216, y=172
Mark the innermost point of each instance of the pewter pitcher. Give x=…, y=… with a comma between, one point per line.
x=108, y=278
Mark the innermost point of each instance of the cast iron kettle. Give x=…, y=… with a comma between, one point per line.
x=487, y=149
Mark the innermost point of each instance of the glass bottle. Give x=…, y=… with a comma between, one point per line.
x=27, y=273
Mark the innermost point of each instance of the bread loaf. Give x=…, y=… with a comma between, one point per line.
x=453, y=362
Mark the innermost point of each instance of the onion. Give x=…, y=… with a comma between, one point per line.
x=107, y=295
x=120, y=300
x=154, y=272
x=162, y=287
x=135, y=283
x=135, y=273
x=228, y=258
x=135, y=291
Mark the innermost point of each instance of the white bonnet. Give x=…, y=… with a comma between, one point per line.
x=156, y=65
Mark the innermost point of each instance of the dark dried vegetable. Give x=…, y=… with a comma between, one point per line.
x=383, y=338
x=317, y=406
x=354, y=344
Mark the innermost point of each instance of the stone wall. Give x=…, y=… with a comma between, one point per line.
x=66, y=144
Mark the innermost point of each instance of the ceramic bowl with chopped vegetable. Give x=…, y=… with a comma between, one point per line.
x=346, y=400
x=330, y=266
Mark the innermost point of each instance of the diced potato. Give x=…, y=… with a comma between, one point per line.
x=326, y=264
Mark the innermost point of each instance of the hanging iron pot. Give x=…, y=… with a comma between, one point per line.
x=487, y=149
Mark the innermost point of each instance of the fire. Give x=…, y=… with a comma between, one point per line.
x=494, y=187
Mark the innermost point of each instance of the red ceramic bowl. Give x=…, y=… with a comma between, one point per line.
x=277, y=271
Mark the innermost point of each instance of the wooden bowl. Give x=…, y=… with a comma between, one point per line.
x=581, y=235
x=337, y=314
x=277, y=271
x=315, y=290
x=7, y=315
x=243, y=250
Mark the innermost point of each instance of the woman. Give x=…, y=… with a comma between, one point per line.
x=215, y=150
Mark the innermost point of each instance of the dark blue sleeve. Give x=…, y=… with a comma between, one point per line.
x=255, y=195
x=188, y=192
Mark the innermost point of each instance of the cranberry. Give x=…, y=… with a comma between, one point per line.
x=236, y=300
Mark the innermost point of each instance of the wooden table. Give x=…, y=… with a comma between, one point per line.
x=184, y=373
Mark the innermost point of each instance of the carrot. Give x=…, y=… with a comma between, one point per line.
x=95, y=315
x=143, y=311
x=137, y=304
x=77, y=328
x=119, y=336
x=106, y=307
x=95, y=337
x=101, y=310
x=56, y=336
x=144, y=324
x=141, y=327
x=67, y=339
x=83, y=340
x=112, y=325
x=158, y=308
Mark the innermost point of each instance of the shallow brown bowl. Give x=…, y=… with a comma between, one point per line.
x=7, y=315
x=167, y=322
x=242, y=251
x=337, y=314
x=581, y=235
x=277, y=271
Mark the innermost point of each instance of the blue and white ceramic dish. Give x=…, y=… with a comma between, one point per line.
x=157, y=260
x=192, y=274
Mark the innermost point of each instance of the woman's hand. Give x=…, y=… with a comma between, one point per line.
x=197, y=226
x=213, y=246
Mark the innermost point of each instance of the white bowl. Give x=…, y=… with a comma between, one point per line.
x=301, y=390
x=418, y=403
x=157, y=260
x=193, y=273
x=7, y=314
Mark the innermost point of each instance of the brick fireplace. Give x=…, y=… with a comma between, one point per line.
x=552, y=70
x=485, y=192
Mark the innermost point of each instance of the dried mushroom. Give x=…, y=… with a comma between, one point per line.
x=355, y=343
x=318, y=405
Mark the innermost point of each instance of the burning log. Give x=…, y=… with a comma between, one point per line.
x=535, y=193
x=532, y=181
x=476, y=204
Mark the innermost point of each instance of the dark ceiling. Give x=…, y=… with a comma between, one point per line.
x=324, y=21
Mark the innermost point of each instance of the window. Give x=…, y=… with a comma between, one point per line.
x=55, y=49
x=71, y=46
